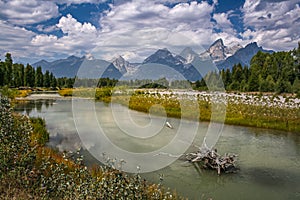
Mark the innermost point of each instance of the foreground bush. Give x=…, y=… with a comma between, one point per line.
x=29, y=170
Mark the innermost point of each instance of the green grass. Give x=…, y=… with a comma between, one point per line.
x=280, y=118
x=238, y=113
x=102, y=94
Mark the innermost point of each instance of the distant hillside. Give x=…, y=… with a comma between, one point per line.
x=61, y=68
x=165, y=58
x=188, y=65
x=242, y=56
x=69, y=67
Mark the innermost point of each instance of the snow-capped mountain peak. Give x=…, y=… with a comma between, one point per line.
x=163, y=56
x=218, y=52
x=121, y=64
x=189, y=55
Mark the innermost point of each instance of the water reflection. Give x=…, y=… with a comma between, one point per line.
x=26, y=107
x=59, y=121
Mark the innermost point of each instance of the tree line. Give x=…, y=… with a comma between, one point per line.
x=276, y=72
x=17, y=75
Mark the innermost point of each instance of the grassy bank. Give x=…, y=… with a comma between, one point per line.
x=237, y=112
x=29, y=170
x=255, y=110
x=102, y=94
x=12, y=93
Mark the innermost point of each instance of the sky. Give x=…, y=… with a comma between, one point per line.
x=32, y=30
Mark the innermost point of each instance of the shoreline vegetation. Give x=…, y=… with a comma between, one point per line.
x=30, y=170
x=262, y=110
x=252, y=109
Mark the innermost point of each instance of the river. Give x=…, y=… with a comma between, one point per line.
x=269, y=160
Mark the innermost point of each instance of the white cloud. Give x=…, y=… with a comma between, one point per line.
x=71, y=26
x=14, y=39
x=42, y=40
x=23, y=12
x=135, y=29
x=46, y=29
x=143, y=26
x=79, y=1
x=118, y=2
x=78, y=38
x=273, y=24
x=222, y=20
x=190, y=11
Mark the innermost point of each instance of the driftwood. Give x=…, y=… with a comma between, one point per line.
x=209, y=159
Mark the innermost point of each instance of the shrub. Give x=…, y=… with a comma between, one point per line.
x=29, y=170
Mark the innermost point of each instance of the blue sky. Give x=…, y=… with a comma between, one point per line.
x=39, y=29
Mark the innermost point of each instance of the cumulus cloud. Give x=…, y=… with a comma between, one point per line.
x=142, y=25
x=71, y=26
x=273, y=24
x=137, y=28
x=21, y=12
x=15, y=39
x=224, y=24
x=118, y=2
x=79, y=1
x=78, y=38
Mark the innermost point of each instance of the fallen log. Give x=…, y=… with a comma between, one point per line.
x=210, y=159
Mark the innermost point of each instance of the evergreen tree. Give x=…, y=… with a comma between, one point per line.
x=257, y=63
x=46, y=79
x=283, y=86
x=244, y=86
x=253, y=84
x=70, y=82
x=235, y=85
x=296, y=87
x=29, y=76
x=18, y=75
x=8, y=76
x=53, y=82
x=296, y=54
x=237, y=73
x=2, y=73
x=39, y=77
x=246, y=73
x=61, y=82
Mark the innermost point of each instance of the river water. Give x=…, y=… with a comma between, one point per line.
x=269, y=160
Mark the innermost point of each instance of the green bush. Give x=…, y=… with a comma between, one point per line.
x=29, y=170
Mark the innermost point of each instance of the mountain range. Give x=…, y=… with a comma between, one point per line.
x=162, y=63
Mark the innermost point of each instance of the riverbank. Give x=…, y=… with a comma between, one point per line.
x=247, y=110
x=255, y=110
x=30, y=170
x=280, y=112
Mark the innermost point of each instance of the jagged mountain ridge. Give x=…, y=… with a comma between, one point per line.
x=178, y=63
x=67, y=67
x=189, y=64
x=218, y=52
x=243, y=56
x=121, y=64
